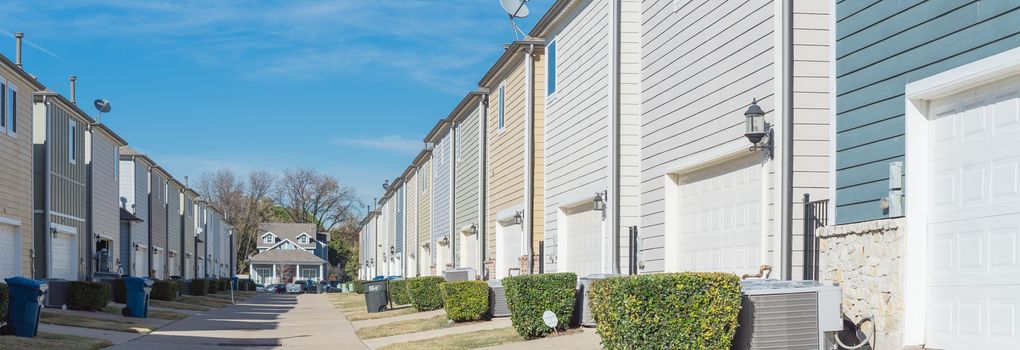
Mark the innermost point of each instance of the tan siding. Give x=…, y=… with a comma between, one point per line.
x=424, y=216
x=505, y=152
x=538, y=142
x=68, y=192
x=105, y=189
x=411, y=244
x=16, y=178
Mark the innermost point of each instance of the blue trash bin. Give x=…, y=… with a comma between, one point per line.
x=25, y=302
x=233, y=283
x=137, y=290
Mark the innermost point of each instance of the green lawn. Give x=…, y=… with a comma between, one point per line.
x=96, y=323
x=53, y=341
x=463, y=341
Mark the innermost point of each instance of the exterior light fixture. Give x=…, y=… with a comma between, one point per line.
x=600, y=201
x=411, y=255
x=427, y=246
x=518, y=218
x=444, y=241
x=393, y=250
x=474, y=229
x=757, y=129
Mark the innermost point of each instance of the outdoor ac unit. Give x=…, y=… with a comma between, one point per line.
x=787, y=314
x=459, y=274
x=57, y=294
x=497, y=300
x=584, y=311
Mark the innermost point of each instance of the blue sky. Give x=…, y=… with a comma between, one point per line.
x=347, y=87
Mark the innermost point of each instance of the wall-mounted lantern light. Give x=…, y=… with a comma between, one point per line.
x=757, y=129
x=393, y=250
x=427, y=246
x=474, y=229
x=411, y=255
x=519, y=218
x=600, y=201
x=444, y=241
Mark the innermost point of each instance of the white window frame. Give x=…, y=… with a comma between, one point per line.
x=456, y=140
x=550, y=69
x=8, y=108
x=72, y=141
x=3, y=104
x=500, y=116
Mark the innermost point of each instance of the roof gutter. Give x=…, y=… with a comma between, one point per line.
x=529, y=148
x=613, y=197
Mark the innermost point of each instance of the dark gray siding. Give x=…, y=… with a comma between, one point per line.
x=882, y=46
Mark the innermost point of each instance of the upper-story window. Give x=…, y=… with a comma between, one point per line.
x=8, y=108
x=550, y=68
x=499, y=122
x=72, y=141
x=267, y=239
x=303, y=239
x=3, y=105
x=457, y=140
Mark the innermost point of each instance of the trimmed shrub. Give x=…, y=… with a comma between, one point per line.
x=465, y=300
x=199, y=286
x=358, y=287
x=690, y=310
x=212, y=286
x=164, y=290
x=529, y=296
x=398, y=292
x=3, y=302
x=87, y=296
x=224, y=284
x=425, y=292
x=119, y=291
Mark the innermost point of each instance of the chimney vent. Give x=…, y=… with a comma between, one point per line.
x=74, y=99
x=17, y=49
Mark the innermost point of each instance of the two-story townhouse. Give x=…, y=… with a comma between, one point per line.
x=441, y=137
x=707, y=202
x=61, y=187
x=134, y=197
x=592, y=133
x=388, y=226
x=467, y=120
x=399, y=221
x=515, y=159
x=410, y=240
x=158, y=200
x=368, y=245
x=188, y=206
x=16, y=177
x=925, y=166
x=174, y=229
x=286, y=254
x=201, y=212
x=102, y=155
x=423, y=183
x=212, y=241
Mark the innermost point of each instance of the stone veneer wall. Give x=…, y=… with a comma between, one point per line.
x=866, y=261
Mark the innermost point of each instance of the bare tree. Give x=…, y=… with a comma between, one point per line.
x=245, y=204
x=309, y=197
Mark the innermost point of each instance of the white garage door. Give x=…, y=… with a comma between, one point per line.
x=9, y=252
x=159, y=262
x=64, y=247
x=140, y=262
x=582, y=241
x=509, y=250
x=468, y=253
x=974, y=221
x=718, y=224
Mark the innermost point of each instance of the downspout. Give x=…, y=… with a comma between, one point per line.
x=150, y=248
x=483, y=115
x=787, y=165
x=48, y=204
x=529, y=156
x=417, y=223
x=453, y=194
x=613, y=197
x=90, y=245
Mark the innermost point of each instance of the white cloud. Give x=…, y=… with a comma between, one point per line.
x=388, y=143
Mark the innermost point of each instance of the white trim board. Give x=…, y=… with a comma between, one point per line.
x=917, y=102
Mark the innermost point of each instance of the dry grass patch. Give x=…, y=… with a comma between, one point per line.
x=365, y=315
x=165, y=315
x=176, y=305
x=53, y=341
x=404, y=327
x=353, y=306
x=95, y=323
x=463, y=341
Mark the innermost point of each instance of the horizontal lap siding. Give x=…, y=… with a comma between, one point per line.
x=16, y=177
x=701, y=65
x=411, y=245
x=189, y=234
x=505, y=153
x=157, y=215
x=466, y=181
x=173, y=224
x=68, y=189
x=424, y=186
x=441, y=205
x=577, y=115
x=105, y=189
x=881, y=48
x=538, y=146
x=399, y=220
x=630, y=124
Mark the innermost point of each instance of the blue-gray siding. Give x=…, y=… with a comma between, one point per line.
x=882, y=46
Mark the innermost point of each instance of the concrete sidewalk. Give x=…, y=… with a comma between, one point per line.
x=268, y=321
x=582, y=341
x=113, y=337
x=403, y=338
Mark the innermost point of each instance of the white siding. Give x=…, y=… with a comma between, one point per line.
x=441, y=194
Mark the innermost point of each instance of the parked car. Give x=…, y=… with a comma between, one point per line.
x=279, y=288
x=294, y=288
x=260, y=288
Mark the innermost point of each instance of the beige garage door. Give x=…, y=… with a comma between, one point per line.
x=719, y=226
x=9, y=251
x=63, y=259
x=508, y=250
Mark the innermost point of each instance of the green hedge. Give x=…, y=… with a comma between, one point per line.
x=529, y=296
x=358, y=286
x=87, y=296
x=465, y=300
x=666, y=311
x=398, y=292
x=199, y=286
x=223, y=284
x=164, y=290
x=426, y=294
x=119, y=291
x=3, y=302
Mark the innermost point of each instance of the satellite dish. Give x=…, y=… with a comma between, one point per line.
x=102, y=105
x=515, y=8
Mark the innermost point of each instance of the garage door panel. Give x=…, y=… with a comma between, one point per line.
x=9, y=252
x=509, y=249
x=583, y=244
x=62, y=259
x=986, y=316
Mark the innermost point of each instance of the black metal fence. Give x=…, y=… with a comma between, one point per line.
x=816, y=214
